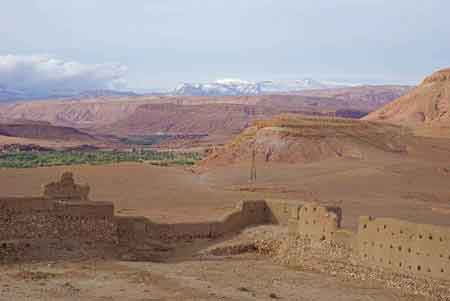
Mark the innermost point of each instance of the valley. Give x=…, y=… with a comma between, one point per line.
x=191, y=150
x=187, y=160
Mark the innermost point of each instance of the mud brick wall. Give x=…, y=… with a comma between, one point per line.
x=404, y=247
x=316, y=222
x=66, y=189
x=389, y=244
x=24, y=205
x=246, y=213
x=84, y=209
x=36, y=218
x=18, y=250
x=39, y=227
x=131, y=229
x=280, y=211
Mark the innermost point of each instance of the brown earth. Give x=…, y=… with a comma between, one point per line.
x=200, y=119
x=394, y=184
x=390, y=184
x=43, y=131
x=8, y=141
x=79, y=113
x=24, y=132
x=241, y=278
x=397, y=185
x=290, y=138
x=368, y=97
x=426, y=109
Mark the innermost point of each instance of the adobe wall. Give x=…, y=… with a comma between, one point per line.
x=315, y=221
x=246, y=213
x=404, y=247
x=44, y=219
x=24, y=205
x=280, y=211
x=66, y=189
x=36, y=227
x=384, y=243
x=65, y=214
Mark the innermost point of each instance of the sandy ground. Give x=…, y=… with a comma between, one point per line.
x=244, y=277
x=412, y=188
x=408, y=188
x=164, y=194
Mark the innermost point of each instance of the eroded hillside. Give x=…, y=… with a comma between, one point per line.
x=43, y=131
x=292, y=138
x=426, y=109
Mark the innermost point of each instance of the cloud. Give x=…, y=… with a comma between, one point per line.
x=44, y=74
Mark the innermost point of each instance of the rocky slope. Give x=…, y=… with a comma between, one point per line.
x=426, y=109
x=203, y=119
x=295, y=139
x=80, y=114
x=368, y=97
x=45, y=131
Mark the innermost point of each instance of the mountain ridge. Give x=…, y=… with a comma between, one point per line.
x=237, y=87
x=426, y=108
x=10, y=95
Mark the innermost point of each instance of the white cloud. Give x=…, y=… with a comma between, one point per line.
x=44, y=74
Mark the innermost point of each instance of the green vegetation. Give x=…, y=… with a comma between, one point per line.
x=57, y=158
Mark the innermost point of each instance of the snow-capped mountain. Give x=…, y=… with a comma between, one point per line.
x=223, y=87
x=237, y=87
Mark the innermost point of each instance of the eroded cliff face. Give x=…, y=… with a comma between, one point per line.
x=426, y=109
x=296, y=139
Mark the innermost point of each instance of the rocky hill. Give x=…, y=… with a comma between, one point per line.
x=291, y=138
x=45, y=131
x=182, y=119
x=368, y=97
x=426, y=109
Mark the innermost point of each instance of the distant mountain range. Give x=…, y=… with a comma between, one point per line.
x=10, y=95
x=237, y=87
x=224, y=87
x=207, y=120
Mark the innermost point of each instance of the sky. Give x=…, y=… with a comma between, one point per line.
x=150, y=44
